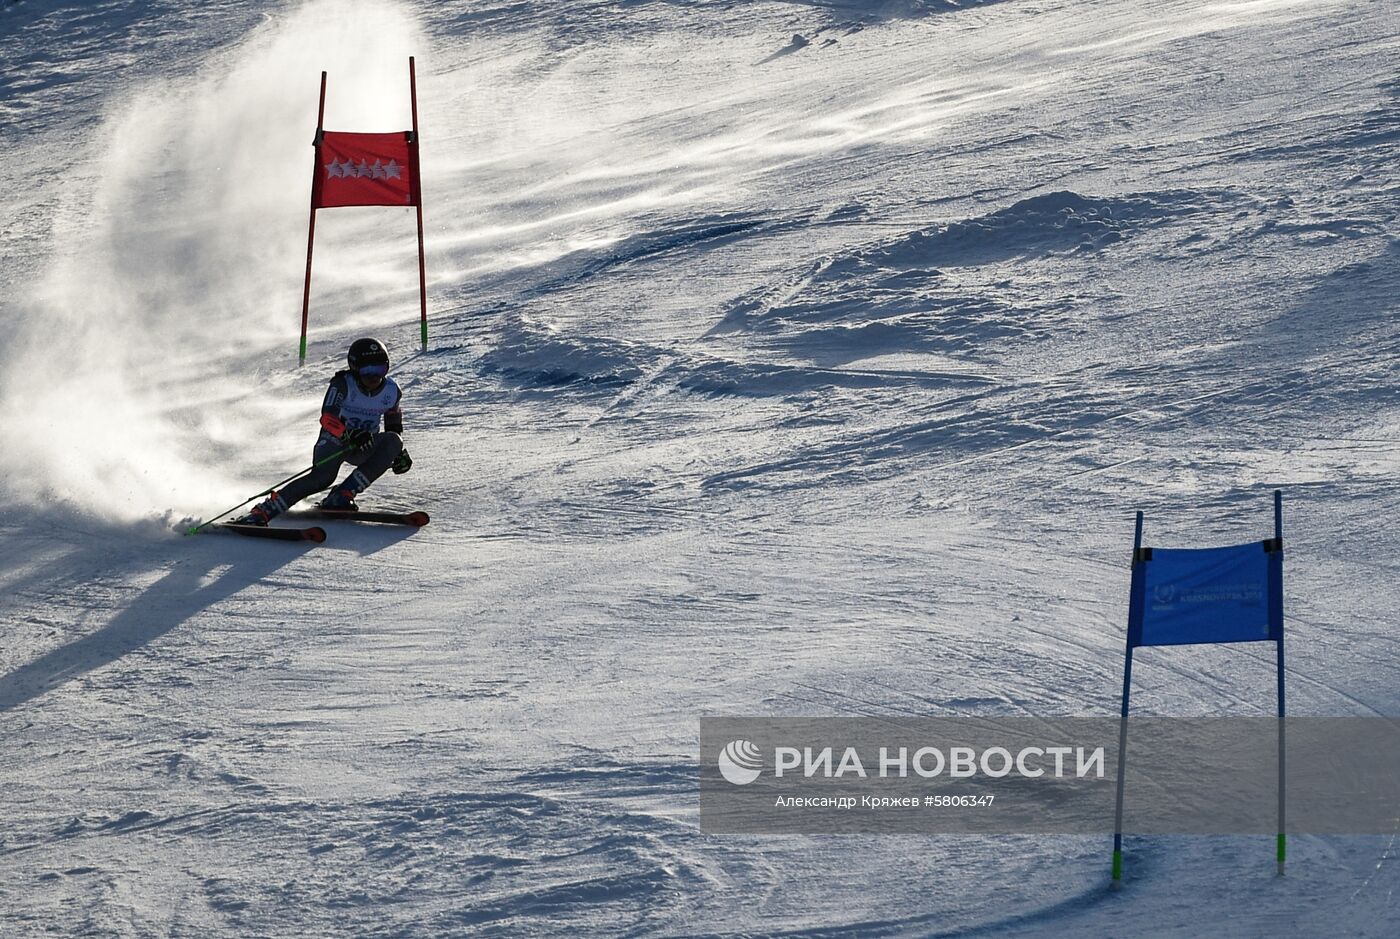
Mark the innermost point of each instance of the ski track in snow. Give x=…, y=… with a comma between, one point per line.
x=788, y=358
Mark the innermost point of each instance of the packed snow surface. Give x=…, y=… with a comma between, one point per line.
x=787, y=358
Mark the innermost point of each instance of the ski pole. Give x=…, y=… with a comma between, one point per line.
x=273, y=488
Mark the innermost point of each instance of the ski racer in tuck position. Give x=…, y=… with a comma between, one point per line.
x=361, y=424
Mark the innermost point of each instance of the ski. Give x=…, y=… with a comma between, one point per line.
x=414, y=519
x=314, y=533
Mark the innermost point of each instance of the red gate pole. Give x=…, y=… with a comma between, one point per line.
x=418, y=200
x=311, y=227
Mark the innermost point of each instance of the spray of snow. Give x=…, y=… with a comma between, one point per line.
x=136, y=377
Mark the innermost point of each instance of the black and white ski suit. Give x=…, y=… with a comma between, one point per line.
x=349, y=404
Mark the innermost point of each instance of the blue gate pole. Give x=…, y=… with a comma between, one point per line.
x=1117, y=882
x=1282, y=848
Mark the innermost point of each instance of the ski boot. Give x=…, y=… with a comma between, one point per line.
x=342, y=497
x=263, y=512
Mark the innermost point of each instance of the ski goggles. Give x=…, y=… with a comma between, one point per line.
x=372, y=371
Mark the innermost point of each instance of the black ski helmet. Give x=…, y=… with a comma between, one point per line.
x=367, y=351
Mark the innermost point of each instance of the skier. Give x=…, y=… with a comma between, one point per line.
x=358, y=400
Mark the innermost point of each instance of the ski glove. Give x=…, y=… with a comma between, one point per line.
x=402, y=464
x=357, y=439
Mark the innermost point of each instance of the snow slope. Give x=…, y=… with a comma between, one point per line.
x=768, y=377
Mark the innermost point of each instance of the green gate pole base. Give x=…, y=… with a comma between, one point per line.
x=1282, y=853
x=1117, y=883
